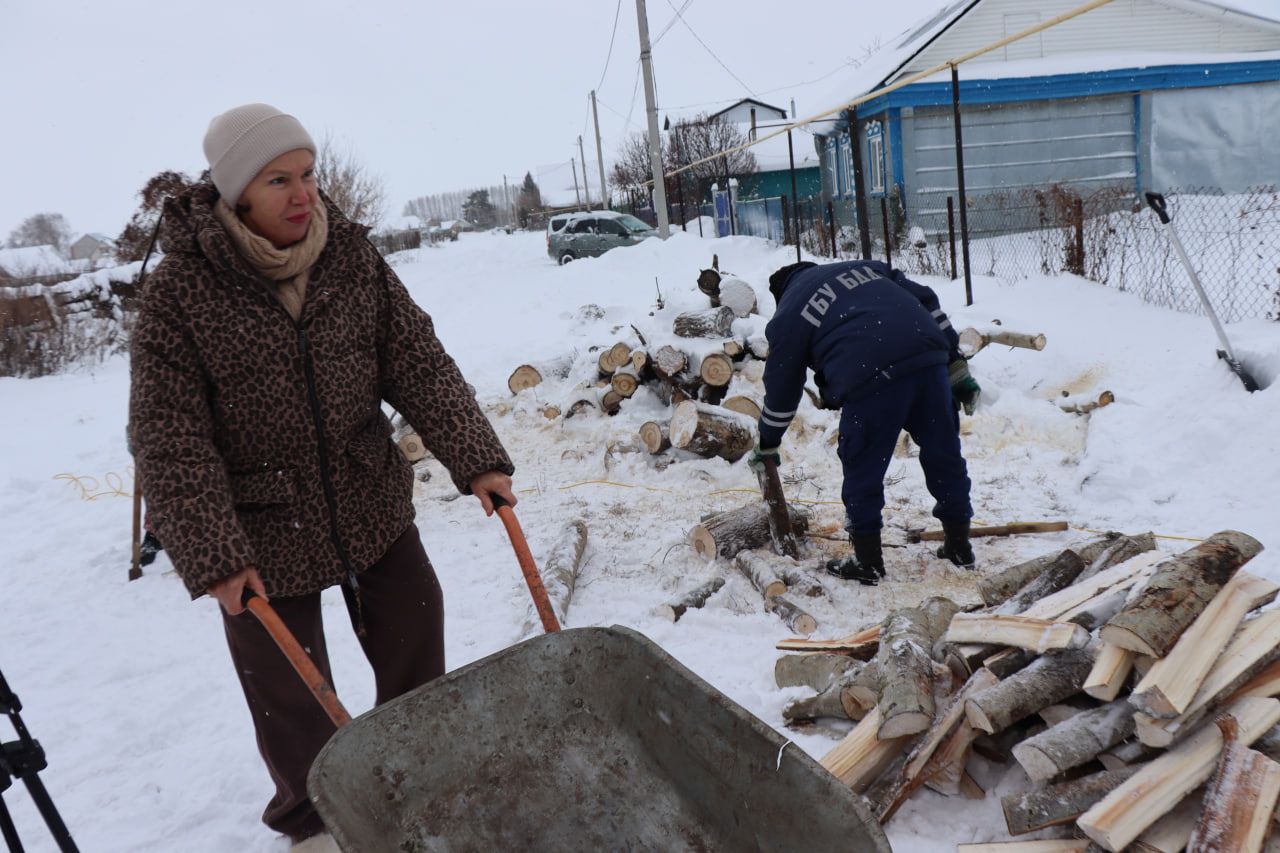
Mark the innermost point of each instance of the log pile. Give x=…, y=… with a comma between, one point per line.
x=702, y=354
x=1138, y=697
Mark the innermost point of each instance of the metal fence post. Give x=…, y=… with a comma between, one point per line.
x=964, y=217
x=884, y=219
x=831, y=229
x=859, y=188
x=951, y=233
x=791, y=156
x=1077, y=217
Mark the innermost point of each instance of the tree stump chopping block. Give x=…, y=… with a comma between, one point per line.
x=709, y=431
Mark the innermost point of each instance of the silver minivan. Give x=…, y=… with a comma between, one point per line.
x=588, y=235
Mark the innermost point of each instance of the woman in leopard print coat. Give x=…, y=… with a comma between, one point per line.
x=268, y=339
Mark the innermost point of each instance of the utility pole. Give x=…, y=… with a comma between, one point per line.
x=586, y=185
x=655, y=144
x=576, y=195
x=604, y=195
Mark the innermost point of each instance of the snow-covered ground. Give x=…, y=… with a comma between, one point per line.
x=129, y=687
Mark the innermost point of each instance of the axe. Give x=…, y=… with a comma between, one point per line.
x=784, y=538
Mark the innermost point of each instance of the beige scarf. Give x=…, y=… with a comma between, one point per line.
x=289, y=267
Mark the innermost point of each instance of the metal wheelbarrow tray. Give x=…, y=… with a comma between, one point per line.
x=589, y=739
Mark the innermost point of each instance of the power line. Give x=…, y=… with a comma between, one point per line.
x=616, y=11
x=680, y=17
x=671, y=23
x=635, y=88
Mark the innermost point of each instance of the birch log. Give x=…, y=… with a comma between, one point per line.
x=715, y=370
x=1059, y=574
x=792, y=614
x=861, y=757
x=1048, y=845
x=654, y=436
x=1034, y=810
x=1123, y=549
x=1171, y=833
x=739, y=296
x=999, y=587
x=764, y=573
x=828, y=701
x=818, y=670
x=726, y=534
x=1111, y=668
x=907, y=667
x=914, y=771
x=1023, y=632
x=1169, y=686
x=692, y=599
x=1075, y=741
x=973, y=341
x=1252, y=652
x=1240, y=801
x=710, y=323
x=709, y=431
x=1044, y=681
x=524, y=376
x=1122, y=815
x=743, y=405
x=1178, y=592
x=669, y=363
x=1082, y=404
x=560, y=573
x=625, y=381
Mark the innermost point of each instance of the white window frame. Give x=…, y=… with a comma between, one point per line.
x=875, y=156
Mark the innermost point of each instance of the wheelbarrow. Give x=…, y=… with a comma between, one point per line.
x=583, y=739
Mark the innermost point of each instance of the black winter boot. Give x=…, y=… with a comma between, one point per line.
x=955, y=545
x=148, y=549
x=866, y=566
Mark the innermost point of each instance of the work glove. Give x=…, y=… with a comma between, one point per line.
x=965, y=390
x=757, y=456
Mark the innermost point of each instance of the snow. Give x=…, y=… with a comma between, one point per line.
x=33, y=260
x=128, y=685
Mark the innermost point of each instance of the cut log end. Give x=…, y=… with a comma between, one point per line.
x=654, y=437
x=742, y=405
x=716, y=370
x=906, y=723
x=524, y=376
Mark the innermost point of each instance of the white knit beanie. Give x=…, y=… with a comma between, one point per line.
x=241, y=141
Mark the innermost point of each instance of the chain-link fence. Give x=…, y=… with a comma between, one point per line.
x=1107, y=236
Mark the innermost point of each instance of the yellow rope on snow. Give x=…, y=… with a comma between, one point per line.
x=91, y=489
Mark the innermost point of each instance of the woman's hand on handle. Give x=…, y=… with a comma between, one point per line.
x=483, y=486
x=230, y=589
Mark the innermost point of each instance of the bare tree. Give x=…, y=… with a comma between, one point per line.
x=133, y=241
x=356, y=192
x=42, y=229
x=688, y=142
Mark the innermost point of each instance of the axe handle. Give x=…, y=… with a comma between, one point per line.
x=784, y=538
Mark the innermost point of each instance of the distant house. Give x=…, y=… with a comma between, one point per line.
x=31, y=264
x=751, y=113
x=1136, y=95
x=773, y=160
x=94, y=249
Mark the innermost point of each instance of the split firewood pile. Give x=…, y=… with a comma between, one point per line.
x=1136, y=696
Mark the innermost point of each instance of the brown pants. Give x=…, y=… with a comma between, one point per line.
x=404, y=642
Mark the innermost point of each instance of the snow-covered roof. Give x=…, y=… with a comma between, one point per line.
x=403, y=223
x=771, y=154
x=744, y=102
x=887, y=63
x=33, y=260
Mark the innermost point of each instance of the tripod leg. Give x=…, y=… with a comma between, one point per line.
x=50, y=814
x=8, y=830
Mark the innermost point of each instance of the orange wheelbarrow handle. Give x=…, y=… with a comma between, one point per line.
x=527, y=566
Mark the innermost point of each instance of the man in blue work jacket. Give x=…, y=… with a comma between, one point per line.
x=885, y=354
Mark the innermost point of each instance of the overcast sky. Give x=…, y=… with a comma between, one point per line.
x=96, y=97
